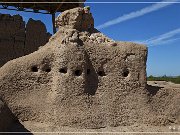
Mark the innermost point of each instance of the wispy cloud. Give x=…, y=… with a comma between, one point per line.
x=138, y=13
x=164, y=42
x=165, y=38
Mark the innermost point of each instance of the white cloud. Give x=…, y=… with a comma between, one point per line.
x=161, y=38
x=164, y=42
x=138, y=13
x=165, y=38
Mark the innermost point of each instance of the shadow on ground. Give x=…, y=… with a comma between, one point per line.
x=153, y=89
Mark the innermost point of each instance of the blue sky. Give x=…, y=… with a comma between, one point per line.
x=155, y=24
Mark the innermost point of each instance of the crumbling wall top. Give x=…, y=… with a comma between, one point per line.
x=77, y=18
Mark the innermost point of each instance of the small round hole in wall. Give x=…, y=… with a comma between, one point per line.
x=113, y=44
x=125, y=72
x=63, y=70
x=34, y=69
x=78, y=72
x=101, y=73
x=88, y=71
x=48, y=70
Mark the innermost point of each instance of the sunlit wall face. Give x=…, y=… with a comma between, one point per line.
x=155, y=24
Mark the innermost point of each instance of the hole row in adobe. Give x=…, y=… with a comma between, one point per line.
x=77, y=72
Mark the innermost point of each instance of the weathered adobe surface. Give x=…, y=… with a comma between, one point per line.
x=18, y=39
x=82, y=79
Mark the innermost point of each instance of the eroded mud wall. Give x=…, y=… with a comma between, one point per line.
x=18, y=39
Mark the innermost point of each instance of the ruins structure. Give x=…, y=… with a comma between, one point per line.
x=18, y=39
x=83, y=79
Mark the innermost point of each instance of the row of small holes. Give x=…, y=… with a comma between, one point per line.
x=79, y=72
x=35, y=69
x=64, y=71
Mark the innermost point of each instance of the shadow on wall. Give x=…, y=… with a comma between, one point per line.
x=91, y=78
x=9, y=122
x=18, y=39
x=18, y=127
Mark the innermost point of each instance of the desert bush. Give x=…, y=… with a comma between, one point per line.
x=165, y=78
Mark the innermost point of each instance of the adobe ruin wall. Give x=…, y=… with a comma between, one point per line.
x=18, y=38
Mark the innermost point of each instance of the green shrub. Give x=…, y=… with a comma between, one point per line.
x=165, y=78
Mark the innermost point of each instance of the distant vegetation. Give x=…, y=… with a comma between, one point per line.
x=165, y=78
